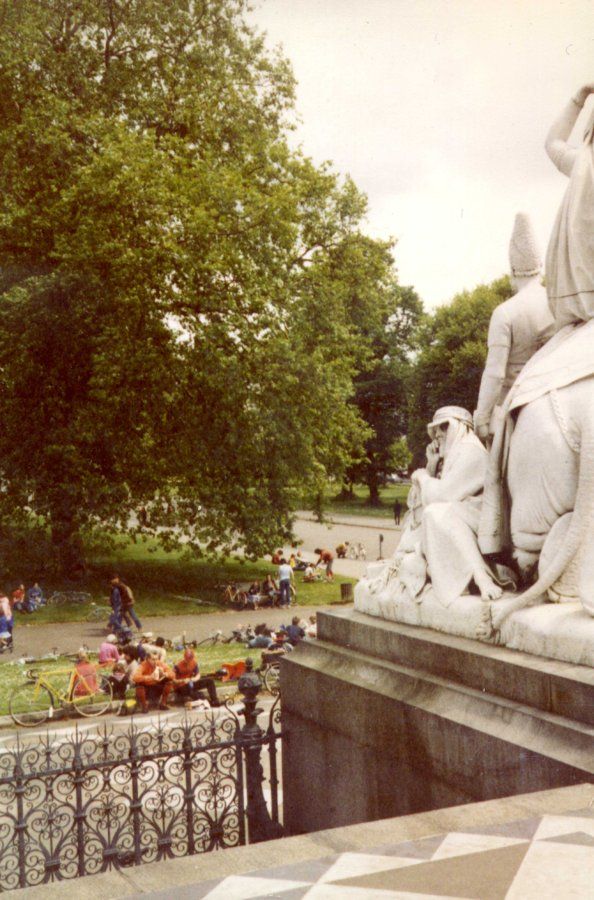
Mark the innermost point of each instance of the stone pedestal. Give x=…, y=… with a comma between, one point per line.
x=384, y=719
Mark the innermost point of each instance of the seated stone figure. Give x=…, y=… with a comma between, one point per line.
x=439, y=542
x=451, y=508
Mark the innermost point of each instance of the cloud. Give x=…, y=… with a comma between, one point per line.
x=438, y=109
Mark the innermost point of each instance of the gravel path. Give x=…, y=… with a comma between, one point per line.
x=34, y=640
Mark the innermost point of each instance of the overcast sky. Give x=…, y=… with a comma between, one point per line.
x=438, y=109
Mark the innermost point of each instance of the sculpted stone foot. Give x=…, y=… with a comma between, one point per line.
x=487, y=587
x=486, y=631
x=527, y=562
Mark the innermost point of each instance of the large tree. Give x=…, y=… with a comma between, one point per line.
x=381, y=385
x=176, y=337
x=451, y=358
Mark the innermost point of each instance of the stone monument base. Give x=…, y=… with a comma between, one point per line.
x=562, y=631
x=385, y=719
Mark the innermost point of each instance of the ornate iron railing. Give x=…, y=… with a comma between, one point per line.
x=84, y=803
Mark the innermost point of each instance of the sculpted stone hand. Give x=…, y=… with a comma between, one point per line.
x=433, y=454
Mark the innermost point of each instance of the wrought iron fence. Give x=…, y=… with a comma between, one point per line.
x=85, y=803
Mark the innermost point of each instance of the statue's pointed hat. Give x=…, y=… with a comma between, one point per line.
x=524, y=256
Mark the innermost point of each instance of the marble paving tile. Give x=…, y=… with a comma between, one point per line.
x=553, y=826
x=310, y=870
x=350, y=864
x=483, y=875
x=460, y=843
x=558, y=873
x=293, y=894
x=248, y=887
x=522, y=828
x=340, y=892
x=421, y=849
x=584, y=813
x=576, y=837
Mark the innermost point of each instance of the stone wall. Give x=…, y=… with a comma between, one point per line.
x=386, y=720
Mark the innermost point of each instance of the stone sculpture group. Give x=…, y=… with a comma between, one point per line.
x=498, y=542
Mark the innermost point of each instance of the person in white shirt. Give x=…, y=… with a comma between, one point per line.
x=285, y=579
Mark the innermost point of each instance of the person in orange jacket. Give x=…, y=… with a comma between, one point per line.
x=153, y=678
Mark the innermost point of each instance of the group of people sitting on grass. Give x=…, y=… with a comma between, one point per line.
x=283, y=639
x=280, y=592
x=24, y=601
x=143, y=666
x=258, y=595
x=27, y=601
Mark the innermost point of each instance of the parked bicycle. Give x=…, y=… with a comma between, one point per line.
x=271, y=678
x=60, y=598
x=37, y=700
x=215, y=638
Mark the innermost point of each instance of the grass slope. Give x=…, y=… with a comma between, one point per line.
x=159, y=578
x=359, y=506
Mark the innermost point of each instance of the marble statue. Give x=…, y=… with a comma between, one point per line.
x=439, y=541
x=530, y=499
x=570, y=254
x=518, y=328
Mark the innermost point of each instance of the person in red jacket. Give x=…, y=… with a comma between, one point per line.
x=327, y=558
x=153, y=679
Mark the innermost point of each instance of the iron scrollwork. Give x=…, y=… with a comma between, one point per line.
x=84, y=803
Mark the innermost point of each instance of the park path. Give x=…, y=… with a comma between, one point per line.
x=35, y=640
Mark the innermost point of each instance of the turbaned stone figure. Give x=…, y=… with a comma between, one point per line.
x=439, y=543
x=518, y=328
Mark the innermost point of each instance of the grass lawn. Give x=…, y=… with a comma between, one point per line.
x=210, y=659
x=160, y=579
x=358, y=505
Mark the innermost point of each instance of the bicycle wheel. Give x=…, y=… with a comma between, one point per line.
x=96, y=703
x=272, y=680
x=30, y=704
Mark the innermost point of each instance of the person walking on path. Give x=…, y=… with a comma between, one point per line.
x=326, y=557
x=115, y=600
x=285, y=577
x=397, y=511
x=128, y=614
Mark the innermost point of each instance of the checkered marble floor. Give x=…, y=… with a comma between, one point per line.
x=546, y=858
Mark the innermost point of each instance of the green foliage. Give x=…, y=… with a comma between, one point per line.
x=453, y=349
x=381, y=386
x=400, y=455
x=184, y=298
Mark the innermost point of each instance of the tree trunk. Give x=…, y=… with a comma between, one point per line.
x=346, y=491
x=318, y=509
x=373, y=485
x=68, y=547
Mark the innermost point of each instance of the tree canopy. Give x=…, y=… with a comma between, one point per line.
x=185, y=300
x=451, y=358
x=381, y=386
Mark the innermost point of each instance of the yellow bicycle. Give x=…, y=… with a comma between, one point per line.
x=37, y=700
